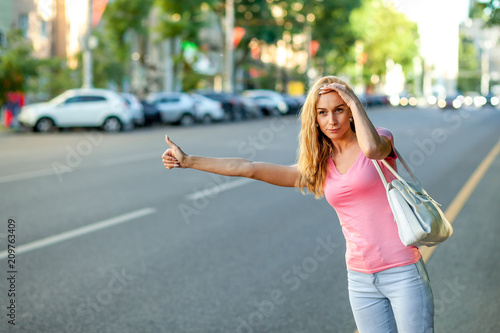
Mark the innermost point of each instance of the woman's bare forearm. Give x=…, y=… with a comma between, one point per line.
x=274, y=174
x=237, y=167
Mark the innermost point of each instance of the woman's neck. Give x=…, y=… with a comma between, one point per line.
x=346, y=143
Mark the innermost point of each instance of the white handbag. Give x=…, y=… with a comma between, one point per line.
x=419, y=219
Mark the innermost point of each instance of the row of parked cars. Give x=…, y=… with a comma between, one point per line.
x=113, y=112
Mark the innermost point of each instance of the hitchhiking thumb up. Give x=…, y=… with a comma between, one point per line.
x=173, y=157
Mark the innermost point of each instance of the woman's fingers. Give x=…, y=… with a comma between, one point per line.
x=169, y=159
x=345, y=93
x=174, y=156
x=170, y=163
x=332, y=87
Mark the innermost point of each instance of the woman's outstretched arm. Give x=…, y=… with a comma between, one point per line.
x=274, y=174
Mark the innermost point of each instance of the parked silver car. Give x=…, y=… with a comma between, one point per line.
x=79, y=108
x=269, y=101
x=207, y=110
x=174, y=107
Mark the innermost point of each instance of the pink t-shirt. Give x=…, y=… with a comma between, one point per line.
x=360, y=200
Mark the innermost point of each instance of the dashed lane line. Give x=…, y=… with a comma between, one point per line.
x=51, y=240
x=461, y=198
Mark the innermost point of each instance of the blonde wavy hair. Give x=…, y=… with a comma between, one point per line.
x=314, y=147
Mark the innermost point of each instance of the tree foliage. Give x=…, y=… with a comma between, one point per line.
x=17, y=64
x=183, y=18
x=122, y=16
x=326, y=22
x=385, y=34
x=469, y=68
x=54, y=77
x=112, y=55
x=488, y=10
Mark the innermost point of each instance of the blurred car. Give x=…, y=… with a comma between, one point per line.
x=233, y=107
x=269, y=101
x=79, y=108
x=473, y=98
x=403, y=98
x=151, y=113
x=372, y=100
x=251, y=109
x=174, y=107
x=451, y=102
x=135, y=107
x=294, y=104
x=208, y=110
x=492, y=100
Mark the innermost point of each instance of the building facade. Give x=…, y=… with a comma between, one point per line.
x=486, y=41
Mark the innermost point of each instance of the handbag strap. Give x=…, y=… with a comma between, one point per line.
x=417, y=182
x=394, y=172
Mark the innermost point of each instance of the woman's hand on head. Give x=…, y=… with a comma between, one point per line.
x=173, y=157
x=344, y=91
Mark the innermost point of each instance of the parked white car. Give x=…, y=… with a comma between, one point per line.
x=174, y=107
x=79, y=108
x=207, y=109
x=269, y=101
x=135, y=107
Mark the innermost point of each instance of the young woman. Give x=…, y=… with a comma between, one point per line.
x=389, y=289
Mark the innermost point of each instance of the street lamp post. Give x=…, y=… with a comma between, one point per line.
x=485, y=68
x=87, y=53
x=229, y=59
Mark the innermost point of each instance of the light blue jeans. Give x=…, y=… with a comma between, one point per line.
x=398, y=299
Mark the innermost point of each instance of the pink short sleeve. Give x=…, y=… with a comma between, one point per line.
x=385, y=132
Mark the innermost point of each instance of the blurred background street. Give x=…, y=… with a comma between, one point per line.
x=239, y=260
x=107, y=240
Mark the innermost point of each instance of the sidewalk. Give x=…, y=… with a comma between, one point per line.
x=11, y=131
x=464, y=270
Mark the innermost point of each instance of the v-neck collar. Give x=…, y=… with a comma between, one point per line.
x=334, y=167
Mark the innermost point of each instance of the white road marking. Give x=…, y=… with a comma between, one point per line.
x=463, y=196
x=105, y=163
x=51, y=240
x=26, y=175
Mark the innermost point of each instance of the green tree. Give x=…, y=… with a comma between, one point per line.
x=184, y=18
x=54, y=77
x=181, y=21
x=334, y=32
x=488, y=10
x=110, y=63
x=385, y=34
x=469, y=69
x=112, y=56
x=17, y=64
x=326, y=22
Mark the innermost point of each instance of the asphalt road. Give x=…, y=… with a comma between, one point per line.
x=107, y=240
